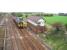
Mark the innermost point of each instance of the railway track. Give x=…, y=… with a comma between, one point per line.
x=15, y=37
x=22, y=39
x=9, y=44
x=33, y=40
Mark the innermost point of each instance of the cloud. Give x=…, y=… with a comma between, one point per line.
x=53, y=6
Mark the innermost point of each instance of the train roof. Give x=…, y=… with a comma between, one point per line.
x=35, y=19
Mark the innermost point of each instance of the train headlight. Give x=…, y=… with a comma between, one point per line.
x=18, y=25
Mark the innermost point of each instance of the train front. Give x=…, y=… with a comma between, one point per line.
x=19, y=22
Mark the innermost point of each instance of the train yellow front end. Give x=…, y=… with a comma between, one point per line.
x=20, y=23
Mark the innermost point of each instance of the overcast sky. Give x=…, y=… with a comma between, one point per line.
x=51, y=6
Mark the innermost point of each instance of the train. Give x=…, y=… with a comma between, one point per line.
x=20, y=23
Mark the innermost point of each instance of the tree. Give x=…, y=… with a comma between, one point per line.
x=19, y=14
x=13, y=13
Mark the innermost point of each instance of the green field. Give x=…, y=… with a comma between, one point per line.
x=56, y=40
x=51, y=20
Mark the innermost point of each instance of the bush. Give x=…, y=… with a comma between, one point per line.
x=66, y=26
x=58, y=27
x=48, y=15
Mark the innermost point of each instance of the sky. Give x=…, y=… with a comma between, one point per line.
x=48, y=6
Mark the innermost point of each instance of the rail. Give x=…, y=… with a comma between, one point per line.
x=4, y=37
